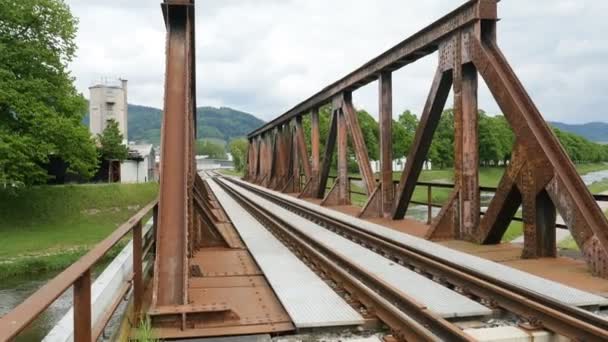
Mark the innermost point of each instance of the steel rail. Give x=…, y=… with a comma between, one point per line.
x=407, y=318
x=556, y=316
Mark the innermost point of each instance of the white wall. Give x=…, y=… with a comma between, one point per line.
x=132, y=171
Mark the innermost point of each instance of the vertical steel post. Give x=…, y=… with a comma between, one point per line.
x=82, y=308
x=467, y=149
x=342, y=159
x=138, y=281
x=429, y=194
x=314, y=144
x=386, y=142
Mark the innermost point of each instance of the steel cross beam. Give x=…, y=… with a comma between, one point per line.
x=421, y=44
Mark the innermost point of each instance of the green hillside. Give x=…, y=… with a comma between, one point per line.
x=594, y=131
x=218, y=124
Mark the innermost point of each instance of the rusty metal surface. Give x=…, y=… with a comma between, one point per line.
x=559, y=180
x=421, y=44
x=540, y=177
x=429, y=120
x=407, y=318
x=361, y=154
x=175, y=163
x=565, y=270
x=228, y=295
x=225, y=263
x=385, y=85
x=549, y=313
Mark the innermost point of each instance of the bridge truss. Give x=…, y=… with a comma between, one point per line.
x=540, y=176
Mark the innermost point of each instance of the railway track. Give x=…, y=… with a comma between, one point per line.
x=408, y=319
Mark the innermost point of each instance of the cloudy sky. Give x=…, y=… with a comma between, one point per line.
x=265, y=56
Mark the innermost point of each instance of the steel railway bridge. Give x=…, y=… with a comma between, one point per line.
x=213, y=274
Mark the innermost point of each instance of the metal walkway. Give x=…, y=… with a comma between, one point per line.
x=436, y=297
x=308, y=300
x=548, y=288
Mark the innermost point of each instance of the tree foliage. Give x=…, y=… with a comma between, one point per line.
x=210, y=149
x=40, y=109
x=110, y=143
x=495, y=139
x=238, y=150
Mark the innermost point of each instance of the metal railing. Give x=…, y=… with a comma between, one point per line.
x=429, y=202
x=78, y=275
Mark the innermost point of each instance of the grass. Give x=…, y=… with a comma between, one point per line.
x=232, y=172
x=587, y=168
x=144, y=331
x=48, y=227
x=599, y=187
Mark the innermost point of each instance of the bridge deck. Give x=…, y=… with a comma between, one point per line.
x=566, y=294
x=436, y=297
x=568, y=269
x=309, y=301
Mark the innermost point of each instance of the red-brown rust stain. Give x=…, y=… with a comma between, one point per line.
x=565, y=270
x=172, y=207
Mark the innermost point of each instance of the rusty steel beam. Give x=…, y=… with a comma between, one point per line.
x=177, y=161
x=82, y=308
x=302, y=151
x=361, y=154
x=429, y=120
x=342, y=141
x=466, y=149
x=565, y=188
x=385, y=117
x=330, y=145
x=422, y=43
x=314, y=142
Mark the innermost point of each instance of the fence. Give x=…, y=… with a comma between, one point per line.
x=429, y=202
x=78, y=275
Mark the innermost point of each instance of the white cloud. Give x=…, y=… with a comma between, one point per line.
x=264, y=56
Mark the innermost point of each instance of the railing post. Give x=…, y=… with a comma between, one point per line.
x=429, y=204
x=82, y=308
x=138, y=281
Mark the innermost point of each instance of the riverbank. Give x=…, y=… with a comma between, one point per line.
x=47, y=228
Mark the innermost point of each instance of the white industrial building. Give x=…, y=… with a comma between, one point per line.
x=140, y=166
x=398, y=165
x=108, y=100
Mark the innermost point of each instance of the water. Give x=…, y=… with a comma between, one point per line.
x=16, y=290
x=593, y=177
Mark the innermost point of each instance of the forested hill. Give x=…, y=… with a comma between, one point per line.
x=213, y=123
x=594, y=131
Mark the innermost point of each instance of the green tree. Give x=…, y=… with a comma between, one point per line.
x=401, y=140
x=110, y=143
x=212, y=150
x=40, y=109
x=409, y=121
x=238, y=149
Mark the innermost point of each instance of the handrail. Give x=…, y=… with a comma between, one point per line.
x=430, y=204
x=79, y=275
